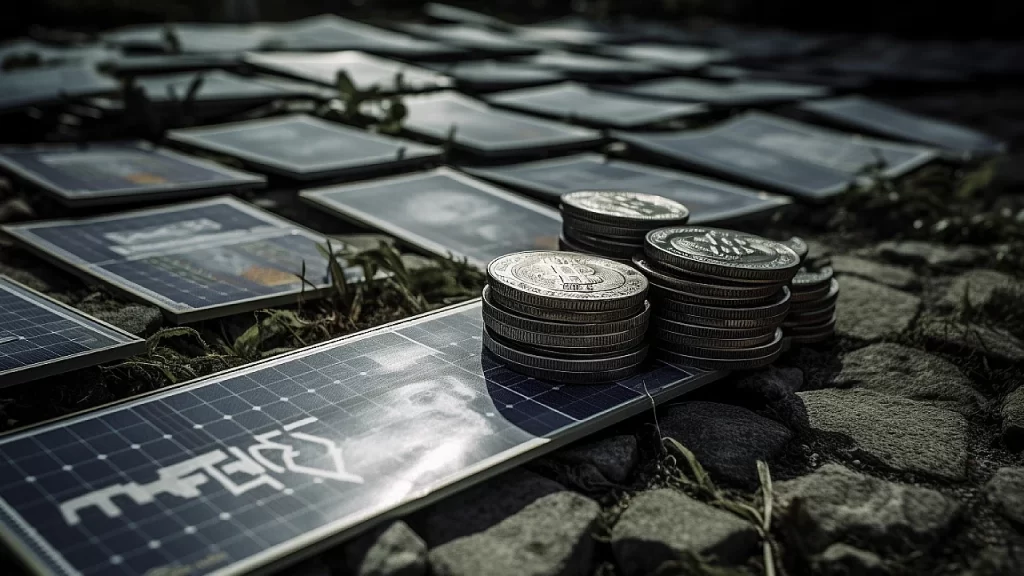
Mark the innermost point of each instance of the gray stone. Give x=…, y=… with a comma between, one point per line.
x=844, y=560
x=666, y=525
x=917, y=253
x=134, y=318
x=727, y=440
x=602, y=463
x=906, y=435
x=887, y=274
x=835, y=504
x=1006, y=493
x=950, y=335
x=1013, y=419
x=771, y=392
x=482, y=506
x=550, y=537
x=913, y=374
x=870, y=311
x=393, y=550
x=974, y=289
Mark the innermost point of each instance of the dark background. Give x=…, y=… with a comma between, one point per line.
x=907, y=18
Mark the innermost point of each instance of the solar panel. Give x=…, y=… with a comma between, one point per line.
x=576, y=102
x=365, y=71
x=475, y=38
x=192, y=37
x=141, y=64
x=709, y=201
x=739, y=93
x=307, y=148
x=327, y=33
x=459, y=15
x=41, y=337
x=49, y=85
x=788, y=156
x=859, y=113
x=490, y=75
x=195, y=260
x=258, y=466
x=487, y=131
x=445, y=212
x=104, y=173
x=588, y=68
x=672, y=56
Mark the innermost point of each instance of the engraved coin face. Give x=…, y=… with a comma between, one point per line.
x=625, y=208
x=728, y=253
x=558, y=279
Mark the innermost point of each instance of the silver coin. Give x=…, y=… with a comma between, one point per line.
x=799, y=246
x=829, y=298
x=578, y=363
x=660, y=325
x=696, y=288
x=715, y=252
x=566, y=281
x=716, y=364
x=716, y=343
x=806, y=279
x=778, y=306
x=493, y=310
x=602, y=246
x=567, y=316
x=607, y=230
x=682, y=317
x=577, y=341
x=745, y=353
x=566, y=377
x=625, y=209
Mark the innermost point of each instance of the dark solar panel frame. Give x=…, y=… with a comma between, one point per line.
x=516, y=419
x=67, y=339
x=321, y=198
x=233, y=180
x=175, y=310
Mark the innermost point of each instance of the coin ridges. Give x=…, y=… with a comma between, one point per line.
x=825, y=301
x=568, y=316
x=812, y=278
x=602, y=246
x=601, y=229
x=743, y=353
x=713, y=364
x=777, y=307
x=667, y=325
x=592, y=363
x=625, y=209
x=564, y=377
x=771, y=321
x=682, y=281
x=575, y=330
x=561, y=340
x=566, y=281
x=722, y=253
x=665, y=336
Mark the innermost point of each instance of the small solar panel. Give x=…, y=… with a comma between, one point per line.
x=859, y=113
x=788, y=156
x=307, y=148
x=365, y=71
x=575, y=32
x=192, y=37
x=578, y=103
x=445, y=212
x=588, y=68
x=491, y=75
x=41, y=337
x=195, y=260
x=672, y=56
x=328, y=33
x=259, y=466
x=459, y=15
x=486, y=131
x=709, y=201
x=737, y=93
x=105, y=173
x=49, y=85
x=475, y=38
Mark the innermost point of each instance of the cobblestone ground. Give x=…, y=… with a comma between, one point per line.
x=894, y=450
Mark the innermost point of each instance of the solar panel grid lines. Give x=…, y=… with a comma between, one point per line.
x=194, y=260
x=205, y=476
x=41, y=337
x=445, y=212
x=119, y=172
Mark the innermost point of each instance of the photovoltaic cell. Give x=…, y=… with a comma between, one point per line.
x=195, y=260
x=709, y=201
x=257, y=466
x=119, y=173
x=41, y=337
x=363, y=70
x=445, y=212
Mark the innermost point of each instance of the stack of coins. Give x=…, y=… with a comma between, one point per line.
x=566, y=317
x=613, y=224
x=812, y=310
x=719, y=296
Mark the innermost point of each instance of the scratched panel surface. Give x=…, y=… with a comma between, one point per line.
x=240, y=469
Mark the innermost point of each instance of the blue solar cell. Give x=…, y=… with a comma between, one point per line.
x=255, y=473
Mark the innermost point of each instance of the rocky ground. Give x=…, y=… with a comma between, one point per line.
x=896, y=449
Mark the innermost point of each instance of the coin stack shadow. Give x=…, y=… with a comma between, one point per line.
x=719, y=310
x=566, y=339
x=613, y=224
x=812, y=310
